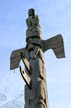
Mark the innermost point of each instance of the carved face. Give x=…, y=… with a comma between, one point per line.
x=31, y=12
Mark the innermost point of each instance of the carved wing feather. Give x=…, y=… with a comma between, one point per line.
x=15, y=58
x=56, y=44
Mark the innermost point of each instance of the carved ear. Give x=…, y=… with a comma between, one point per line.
x=56, y=44
x=15, y=58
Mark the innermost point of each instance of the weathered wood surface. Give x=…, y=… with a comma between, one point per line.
x=32, y=57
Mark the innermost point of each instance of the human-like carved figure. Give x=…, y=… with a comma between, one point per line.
x=34, y=29
x=32, y=20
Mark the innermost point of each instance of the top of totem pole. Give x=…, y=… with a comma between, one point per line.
x=34, y=29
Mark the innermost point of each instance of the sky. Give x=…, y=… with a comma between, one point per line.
x=55, y=18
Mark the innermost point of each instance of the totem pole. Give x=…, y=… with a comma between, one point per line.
x=32, y=57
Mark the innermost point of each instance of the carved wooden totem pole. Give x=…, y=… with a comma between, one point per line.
x=32, y=57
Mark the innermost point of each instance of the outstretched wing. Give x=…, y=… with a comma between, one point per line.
x=56, y=44
x=15, y=58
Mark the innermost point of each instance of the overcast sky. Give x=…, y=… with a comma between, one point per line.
x=55, y=18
